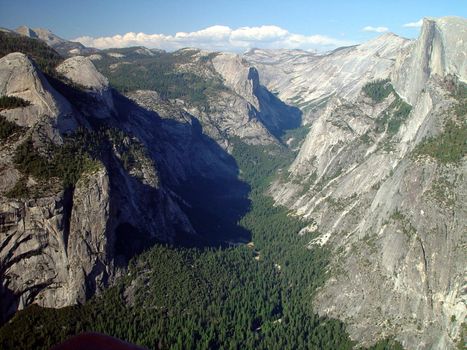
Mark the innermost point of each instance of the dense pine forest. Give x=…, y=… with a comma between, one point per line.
x=157, y=72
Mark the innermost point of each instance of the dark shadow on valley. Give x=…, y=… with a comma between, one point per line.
x=203, y=177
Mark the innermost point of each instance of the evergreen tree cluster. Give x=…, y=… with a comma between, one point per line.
x=7, y=128
x=158, y=72
x=378, y=90
x=66, y=162
x=450, y=146
x=392, y=119
x=10, y=102
x=81, y=152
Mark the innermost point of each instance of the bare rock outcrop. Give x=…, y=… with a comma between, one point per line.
x=238, y=75
x=440, y=50
x=263, y=110
x=19, y=77
x=80, y=70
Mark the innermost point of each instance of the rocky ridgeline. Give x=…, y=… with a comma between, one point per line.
x=62, y=46
x=309, y=80
x=393, y=213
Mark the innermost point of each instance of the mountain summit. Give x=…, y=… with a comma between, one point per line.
x=64, y=47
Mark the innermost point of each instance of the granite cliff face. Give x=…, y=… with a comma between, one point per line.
x=270, y=112
x=440, y=50
x=390, y=208
x=62, y=242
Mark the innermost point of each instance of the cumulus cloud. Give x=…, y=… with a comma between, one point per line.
x=375, y=29
x=417, y=24
x=220, y=38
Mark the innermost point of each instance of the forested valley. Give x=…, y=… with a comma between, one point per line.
x=256, y=295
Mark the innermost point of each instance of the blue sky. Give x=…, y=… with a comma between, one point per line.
x=297, y=23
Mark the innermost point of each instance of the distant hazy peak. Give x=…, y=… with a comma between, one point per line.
x=384, y=40
x=256, y=50
x=6, y=30
x=40, y=33
x=24, y=30
x=190, y=51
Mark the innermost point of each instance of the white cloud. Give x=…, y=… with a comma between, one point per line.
x=220, y=38
x=417, y=24
x=375, y=29
x=263, y=33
